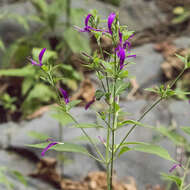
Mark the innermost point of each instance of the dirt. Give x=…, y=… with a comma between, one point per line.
x=46, y=170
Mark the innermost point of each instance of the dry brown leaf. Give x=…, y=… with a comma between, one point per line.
x=135, y=87
x=39, y=112
x=46, y=170
x=172, y=65
x=86, y=91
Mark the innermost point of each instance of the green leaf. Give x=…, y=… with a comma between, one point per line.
x=127, y=122
x=66, y=147
x=121, y=86
x=41, y=92
x=63, y=117
x=172, y=135
x=27, y=84
x=173, y=178
x=186, y=130
x=5, y=181
x=2, y=46
x=40, y=5
x=20, y=177
x=20, y=19
x=72, y=104
x=38, y=136
x=123, y=150
x=22, y=72
x=47, y=55
x=88, y=125
x=76, y=42
x=123, y=74
x=153, y=149
x=99, y=94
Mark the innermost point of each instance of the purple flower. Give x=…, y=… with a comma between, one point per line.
x=111, y=18
x=89, y=103
x=175, y=166
x=88, y=28
x=39, y=58
x=101, y=140
x=65, y=95
x=120, y=49
x=53, y=143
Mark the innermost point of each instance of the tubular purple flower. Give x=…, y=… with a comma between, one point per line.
x=120, y=50
x=88, y=28
x=41, y=54
x=111, y=18
x=174, y=167
x=65, y=95
x=48, y=147
x=101, y=140
x=89, y=103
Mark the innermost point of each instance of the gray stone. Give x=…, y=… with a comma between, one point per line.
x=143, y=167
x=182, y=42
x=147, y=68
x=140, y=14
x=15, y=162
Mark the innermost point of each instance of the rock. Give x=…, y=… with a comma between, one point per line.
x=180, y=114
x=143, y=167
x=17, y=162
x=135, y=14
x=146, y=58
x=182, y=42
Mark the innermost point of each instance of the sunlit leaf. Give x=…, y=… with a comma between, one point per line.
x=66, y=147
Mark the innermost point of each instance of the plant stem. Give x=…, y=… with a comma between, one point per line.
x=68, y=13
x=90, y=140
x=148, y=110
x=185, y=174
x=61, y=153
x=113, y=125
x=133, y=127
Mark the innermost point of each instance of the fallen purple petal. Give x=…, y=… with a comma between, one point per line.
x=89, y=104
x=111, y=18
x=65, y=95
x=48, y=147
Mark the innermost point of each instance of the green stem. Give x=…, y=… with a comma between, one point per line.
x=68, y=12
x=177, y=78
x=90, y=140
x=133, y=127
x=148, y=110
x=186, y=188
x=61, y=153
x=113, y=124
x=185, y=174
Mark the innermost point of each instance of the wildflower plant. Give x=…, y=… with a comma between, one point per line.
x=112, y=71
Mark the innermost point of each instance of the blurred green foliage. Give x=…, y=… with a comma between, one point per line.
x=53, y=29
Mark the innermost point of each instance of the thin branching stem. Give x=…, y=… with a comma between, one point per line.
x=148, y=110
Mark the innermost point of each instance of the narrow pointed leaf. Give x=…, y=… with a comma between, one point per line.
x=173, y=178
x=66, y=147
x=153, y=149
x=186, y=130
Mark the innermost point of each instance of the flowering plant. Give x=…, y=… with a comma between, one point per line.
x=111, y=70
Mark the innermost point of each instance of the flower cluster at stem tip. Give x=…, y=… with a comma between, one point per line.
x=121, y=47
x=120, y=50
